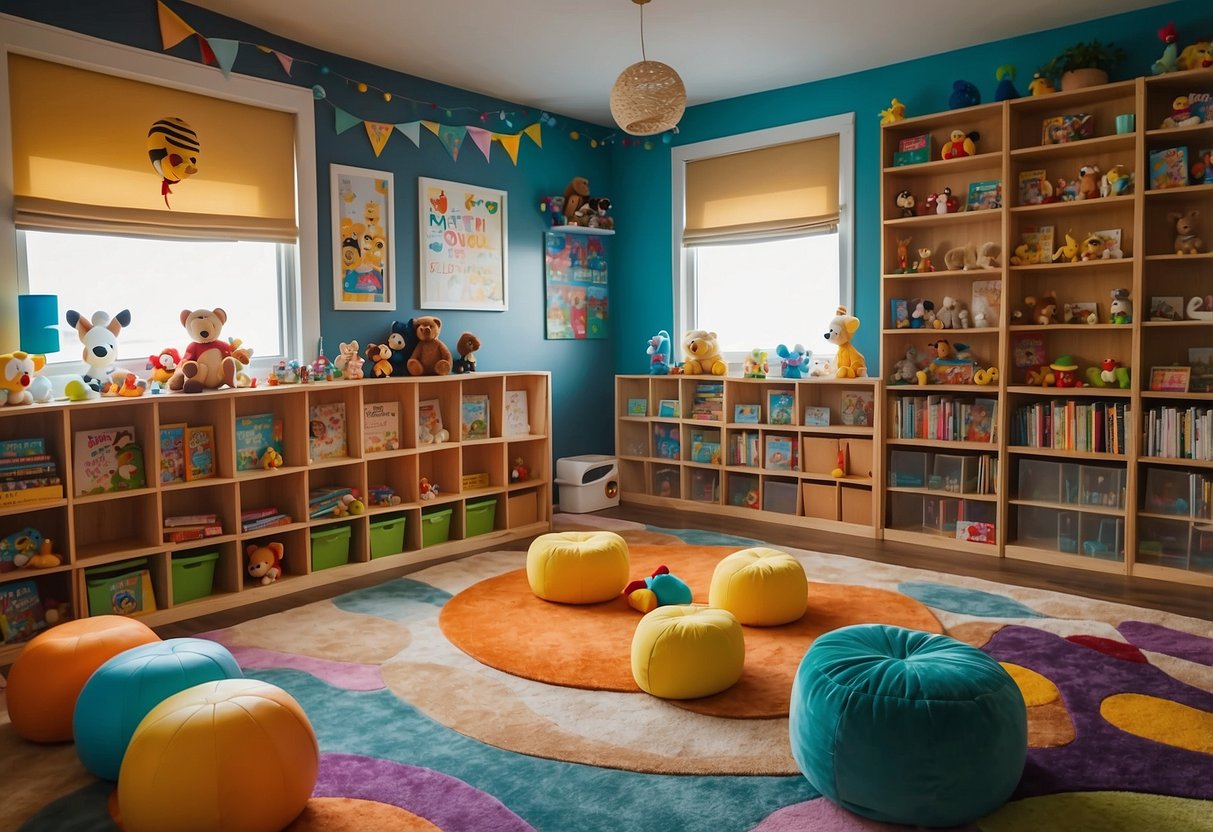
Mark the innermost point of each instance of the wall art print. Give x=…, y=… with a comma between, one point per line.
x=575, y=273
x=463, y=246
x=364, y=251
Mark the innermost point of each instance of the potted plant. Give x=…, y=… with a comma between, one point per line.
x=1084, y=64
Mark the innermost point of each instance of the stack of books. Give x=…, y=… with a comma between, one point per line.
x=262, y=518
x=183, y=527
x=323, y=502
x=28, y=473
x=708, y=401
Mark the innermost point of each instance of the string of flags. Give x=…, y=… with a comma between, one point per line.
x=222, y=52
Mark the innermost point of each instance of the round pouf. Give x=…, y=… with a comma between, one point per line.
x=227, y=755
x=685, y=652
x=122, y=691
x=907, y=727
x=50, y=672
x=577, y=567
x=762, y=587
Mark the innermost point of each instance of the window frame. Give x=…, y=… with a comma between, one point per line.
x=842, y=125
x=301, y=301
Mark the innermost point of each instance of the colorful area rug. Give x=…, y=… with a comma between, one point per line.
x=454, y=700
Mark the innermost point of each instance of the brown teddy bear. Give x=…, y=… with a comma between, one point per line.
x=207, y=362
x=575, y=196
x=466, y=346
x=431, y=357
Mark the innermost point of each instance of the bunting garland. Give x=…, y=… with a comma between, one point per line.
x=222, y=52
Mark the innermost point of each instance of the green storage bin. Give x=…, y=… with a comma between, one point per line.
x=387, y=536
x=479, y=517
x=330, y=547
x=193, y=576
x=435, y=526
x=120, y=588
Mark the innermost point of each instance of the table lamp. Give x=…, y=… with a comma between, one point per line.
x=38, y=316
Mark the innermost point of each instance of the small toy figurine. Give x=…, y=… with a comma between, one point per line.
x=321, y=364
x=1109, y=374
x=17, y=370
x=1169, y=62
x=519, y=471
x=964, y=94
x=163, y=365
x=427, y=489
x=840, y=467
x=960, y=144
x=1122, y=307
x=1187, y=241
x=1065, y=372
x=1005, y=75
x=755, y=364
x=1181, y=114
x=947, y=203
x=658, y=351
x=895, y=112
x=465, y=348
x=264, y=562
x=380, y=356
x=923, y=264
x=348, y=361
x=793, y=363
x=903, y=255
x=1040, y=85
x=271, y=458
x=906, y=202
x=1069, y=251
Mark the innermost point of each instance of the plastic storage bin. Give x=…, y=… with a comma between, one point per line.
x=387, y=536
x=193, y=576
x=779, y=496
x=120, y=588
x=479, y=517
x=435, y=526
x=330, y=547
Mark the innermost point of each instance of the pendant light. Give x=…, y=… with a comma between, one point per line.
x=648, y=97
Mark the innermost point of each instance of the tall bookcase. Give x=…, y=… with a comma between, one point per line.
x=1088, y=495
x=116, y=528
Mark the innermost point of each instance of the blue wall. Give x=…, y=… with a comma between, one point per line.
x=642, y=279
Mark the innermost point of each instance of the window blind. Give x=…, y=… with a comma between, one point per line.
x=771, y=192
x=80, y=159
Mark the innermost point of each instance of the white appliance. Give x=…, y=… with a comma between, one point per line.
x=587, y=483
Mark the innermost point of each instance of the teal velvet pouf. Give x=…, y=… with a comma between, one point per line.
x=907, y=727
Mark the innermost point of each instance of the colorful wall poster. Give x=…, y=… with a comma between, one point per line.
x=575, y=270
x=463, y=246
x=364, y=251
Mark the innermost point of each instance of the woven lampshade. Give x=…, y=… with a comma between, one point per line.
x=648, y=98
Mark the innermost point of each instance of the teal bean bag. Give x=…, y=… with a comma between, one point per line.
x=907, y=727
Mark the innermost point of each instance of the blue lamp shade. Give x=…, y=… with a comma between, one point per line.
x=39, y=319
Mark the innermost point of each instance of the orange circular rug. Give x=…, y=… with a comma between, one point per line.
x=500, y=623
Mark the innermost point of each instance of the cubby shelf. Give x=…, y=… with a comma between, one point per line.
x=113, y=528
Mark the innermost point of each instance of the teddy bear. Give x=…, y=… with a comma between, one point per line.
x=702, y=352
x=905, y=371
x=466, y=346
x=401, y=340
x=264, y=562
x=949, y=315
x=575, y=196
x=430, y=357
x=1122, y=308
x=380, y=356
x=348, y=361
x=1088, y=181
x=848, y=361
x=1046, y=310
x=208, y=362
x=1187, y=241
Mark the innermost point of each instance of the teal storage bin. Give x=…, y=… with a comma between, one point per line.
x=479, y=517
x=330, y=547
x=120, y=588
x=193, y=576
x=435, y=526
x=387, y=536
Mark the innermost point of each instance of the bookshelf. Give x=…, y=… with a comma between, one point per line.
x=116, y=528
x=750, y=447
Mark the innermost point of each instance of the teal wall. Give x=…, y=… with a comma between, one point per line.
x=642, y=282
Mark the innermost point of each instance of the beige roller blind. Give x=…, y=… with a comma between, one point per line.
x=771, y=192
x=80, y=159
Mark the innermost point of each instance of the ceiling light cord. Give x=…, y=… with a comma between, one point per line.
x=643, y=56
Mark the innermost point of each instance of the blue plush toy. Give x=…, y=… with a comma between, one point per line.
x=658, y=590
x=659, y=354
x=402, y=340
x=964, y=94
x=17, y=549
x=794, y=363
x=1006, y=83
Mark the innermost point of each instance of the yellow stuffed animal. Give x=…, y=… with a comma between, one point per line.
x=702, y=354
x=849, y=361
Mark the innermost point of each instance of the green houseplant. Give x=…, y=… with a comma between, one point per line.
x=1084, y=64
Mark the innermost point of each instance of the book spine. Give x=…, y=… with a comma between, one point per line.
x=190, y=520
x=266, y=522
x=27, y=459
x=26, y=483
x=185, y=535
x=36, y=494
x=21, y=447
x=37, y=469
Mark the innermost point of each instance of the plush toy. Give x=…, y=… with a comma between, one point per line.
x=906, y=203
x=17, y=371
x=99, y=335
x=923, y=314
x=896, y=112
x=44, y=558
x=1065, y=372
x=271, y=459
x=466, y=347
x=950, y=315
x=1122, y=307
x=658, y=590
x=1088, y=181
x=380, y=358
x=1169, y=62
x=1187, y=240
x=402, y=340
x=903, y=256
x=794, y=362
x=519, y=472
x=1069, y=251
x=985, y=375
x=1026, y=313
x=1046, y=310
x=348, y=361
x=849, y=361
x=969, y=257
x=1040, y=85
x=1116, y=182
x=553, y=207
x=426, y=489
x=1109, y=374
x=1198, y=55
x=964, y=94
x=163, y=365
x=702, y=353
x=1005, y=75
x=923, y=264
x=348, y=505
x=431, y=357
x=599, y=206
x=264, y=561
x=207, y=362
x=905, y=371
x=960, y=144
x=575, y=196
x=18, y=548
x=1074, y=313
x=658, y=351
x=1181, y=113
x=755, y=364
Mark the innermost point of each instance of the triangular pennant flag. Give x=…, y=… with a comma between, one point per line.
x=432, y=126
x=173, y=29
x=412, y=129
x=225, y=53
x=378, y=133
x=534, y=134
x=452, y=138
x=510, y=143
x=344, y=120
x=286, y=61
x=208, y=55
x=483, y=139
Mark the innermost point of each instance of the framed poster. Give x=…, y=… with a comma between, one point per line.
x=575, y=274
x=463, y=246
x=1170, y=379
x=364, y=248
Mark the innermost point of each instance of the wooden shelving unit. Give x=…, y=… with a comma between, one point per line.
x=112, y=528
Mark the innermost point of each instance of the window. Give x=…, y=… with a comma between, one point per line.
x=766, y=232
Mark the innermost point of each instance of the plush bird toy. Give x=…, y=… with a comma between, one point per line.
x=173, y=149
x=658, y=590
x=1040, y=85
x=1169, y=62
x=961, y=144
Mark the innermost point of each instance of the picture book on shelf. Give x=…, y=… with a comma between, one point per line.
x=1166, y=308
x=326, y=430
x=380, y=426
x=636, y=407
x=979, y=420
x=1201, y=104
x=254, y=434
x=747, y=413
x=779, y=407
x=986, y=303
x=984, y=195
x=474, y=417
x=913, y=150
x=1032, y=187
x=1169, y=167
x=172, y=453
x=779, y=453
x=1037, y=246
x=107, y=459
x=1029, y=351
x=1067, y=128
x=667, y=408
x=21, y=614
x=429, y=421
x=516, y=419
x=816, y=416
x=705, y=448
x=856, y=408
x=199, y=452
x=1200, y=359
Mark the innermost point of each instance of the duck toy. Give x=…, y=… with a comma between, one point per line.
x=961, y=144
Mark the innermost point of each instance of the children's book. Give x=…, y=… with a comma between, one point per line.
x=1029, y=352
x=1031, y=187
x=107, y=459
x=747, y=413
x=199, y=453
x=22, y=447
x=856, y=408
x=636, y=407
x=474, y=420
x=172, y=453
x=815, y=416
x=1166, y=308
x=984, y=195
x=1039, y=240
x=779, y=452
x=913, y=150
x=779, y=407
x=429, y=421
x=704, y=449
x=1201, y=104
x=380, y=427
x=1169, y=167
x=516, y=417
x=986, y=305
x=899, y=311
x=21, y=615
x=254, y=434
x=326, y=430
x=979, y=420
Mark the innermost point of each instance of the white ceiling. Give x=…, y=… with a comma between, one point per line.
x=564, y=55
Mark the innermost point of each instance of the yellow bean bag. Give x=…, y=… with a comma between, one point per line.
x=578, y=567
x=684, y=652
x=762, y=587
